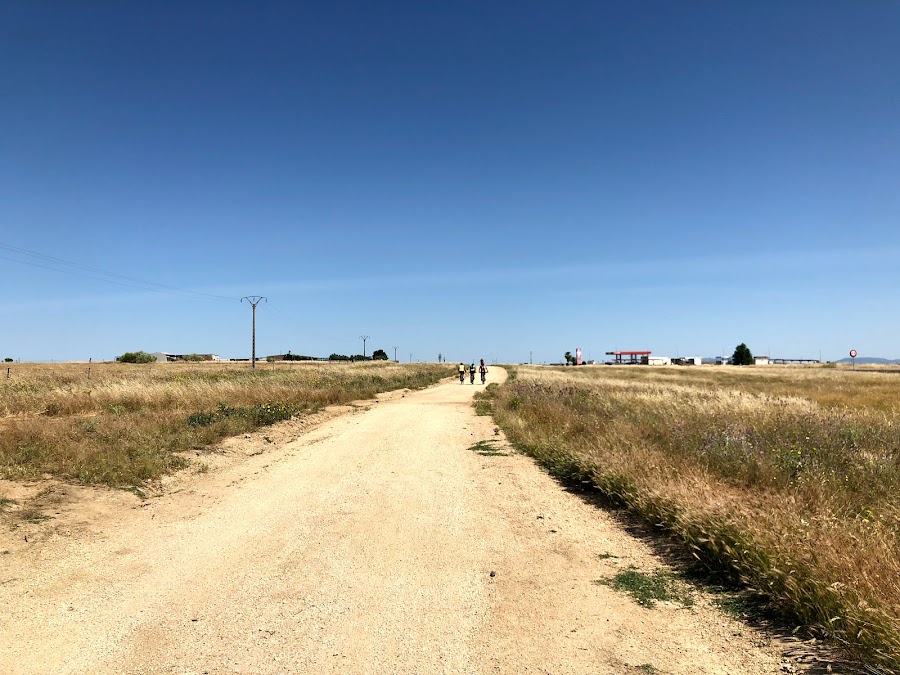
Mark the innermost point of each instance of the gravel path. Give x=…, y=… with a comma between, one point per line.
x=377, y=542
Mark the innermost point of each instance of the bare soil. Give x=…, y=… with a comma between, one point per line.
x=367, y=539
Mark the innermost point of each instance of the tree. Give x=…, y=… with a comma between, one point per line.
x=7, y=360
x=569, y=358
x=742, y=356
x=136, y=357
x=338, y=357
x=379, y=355
x=194, y=357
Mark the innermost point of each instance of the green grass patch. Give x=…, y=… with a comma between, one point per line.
x=482, y=407
x=482, y=401
x=648, y=589
x=487, y=449
x=648, y=668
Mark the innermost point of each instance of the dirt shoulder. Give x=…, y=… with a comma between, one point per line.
x=402, y=535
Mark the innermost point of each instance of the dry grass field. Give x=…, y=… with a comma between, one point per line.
x=788, y=477
x=123, y=424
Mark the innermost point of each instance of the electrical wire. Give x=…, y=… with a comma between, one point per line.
x=77, y=269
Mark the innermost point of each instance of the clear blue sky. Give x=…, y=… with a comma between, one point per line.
x=469, y=178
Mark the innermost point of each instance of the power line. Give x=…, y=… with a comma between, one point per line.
x=97, y=274
x=83, y=276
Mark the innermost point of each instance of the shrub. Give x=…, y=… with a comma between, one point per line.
x=136, y=357
x=261, y=414
x=379, y=355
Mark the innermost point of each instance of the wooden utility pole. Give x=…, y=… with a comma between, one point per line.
x=254, y=300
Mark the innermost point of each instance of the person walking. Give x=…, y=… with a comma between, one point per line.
x=472, y=373
x=462, y=372
x=483, y=370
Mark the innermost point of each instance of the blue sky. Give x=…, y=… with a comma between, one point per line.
x=471, y=179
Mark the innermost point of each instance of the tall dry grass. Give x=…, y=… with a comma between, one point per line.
x=798, y=495
x=124, y=424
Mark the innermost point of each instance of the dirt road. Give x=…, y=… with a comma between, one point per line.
x=377, y=542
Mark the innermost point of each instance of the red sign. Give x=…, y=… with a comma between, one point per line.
x=852, y=353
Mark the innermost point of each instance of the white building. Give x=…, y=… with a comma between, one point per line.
x=657, y=361
x=760, y=360
x=692, y=361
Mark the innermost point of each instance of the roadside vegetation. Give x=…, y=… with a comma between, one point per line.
x=787, y=478
x=125, y=424
x=648, y=589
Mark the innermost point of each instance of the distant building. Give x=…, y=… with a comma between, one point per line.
x=650, y=360
x=164, y=357
x=723, y=361
x=687, y=361
x=760, y=360
x=629, y=358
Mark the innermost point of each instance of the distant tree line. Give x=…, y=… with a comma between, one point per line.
x=377, y=355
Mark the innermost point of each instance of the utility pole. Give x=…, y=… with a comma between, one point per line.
x=395, y=355
x=254, y=300
x=410, y=358
x=364, y=338
x=530, y=361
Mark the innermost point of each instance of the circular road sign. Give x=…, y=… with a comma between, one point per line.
x=852, y=353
